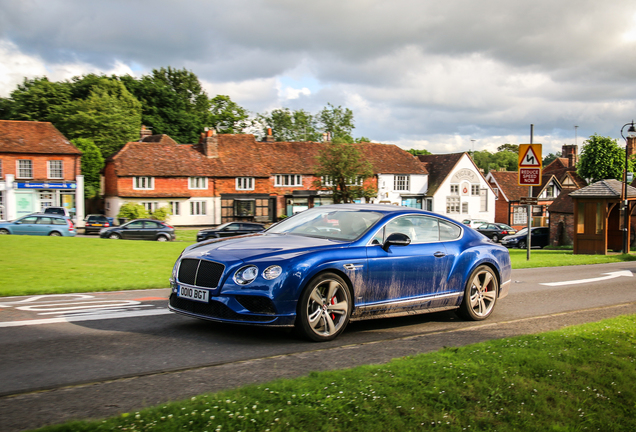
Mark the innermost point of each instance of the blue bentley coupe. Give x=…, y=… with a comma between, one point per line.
x=329, y=265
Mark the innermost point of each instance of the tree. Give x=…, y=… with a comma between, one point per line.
x=513, y=148
x=227, y=117
x=173, y=103
x=92, y=163
x=36, y=99
x=417, y=152
x=551, y=157
x=601, y=158
x=287, y=125
x=337, y=121
x=110, y=116
x=343, y=169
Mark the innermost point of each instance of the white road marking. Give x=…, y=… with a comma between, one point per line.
x=100, y=316
x=611, y=275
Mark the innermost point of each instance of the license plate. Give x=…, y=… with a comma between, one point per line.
x=194, y=294
x=97, y=224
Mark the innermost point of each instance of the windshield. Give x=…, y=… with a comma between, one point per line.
x=328, y=223
x=523, y=231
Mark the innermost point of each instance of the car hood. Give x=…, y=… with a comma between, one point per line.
x=258, y=246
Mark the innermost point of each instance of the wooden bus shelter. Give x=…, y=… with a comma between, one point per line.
x=598, y=218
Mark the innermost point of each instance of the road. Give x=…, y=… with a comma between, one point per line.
x=99, y=354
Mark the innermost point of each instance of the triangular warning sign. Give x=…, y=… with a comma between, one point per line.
x=530, y=159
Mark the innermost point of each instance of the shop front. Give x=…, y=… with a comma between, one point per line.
x=247, y=207
x=301, y=200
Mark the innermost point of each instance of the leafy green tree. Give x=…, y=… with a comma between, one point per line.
x=36, y=99
x=92, y=163
x=513, y=148
x=173, y=103
x=343, y=169
x=110, y=116
x=227, y=117
x=161, y=213
x=506, y=160
x=601, y=158
x=551, y=157
x=337, y=121
x=288, y=125
x=416, y=152
x=362, y=139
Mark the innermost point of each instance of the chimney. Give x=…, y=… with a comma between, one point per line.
x=145, y=132
x=269, y=137
x=570, y=153
x=210, y=143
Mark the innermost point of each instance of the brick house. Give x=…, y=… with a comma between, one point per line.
x=234, y=177
x=457, y=188
x=39, y=168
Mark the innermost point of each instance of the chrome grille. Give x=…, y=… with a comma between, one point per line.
x=200, y=272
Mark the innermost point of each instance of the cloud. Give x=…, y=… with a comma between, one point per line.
x=415, y=72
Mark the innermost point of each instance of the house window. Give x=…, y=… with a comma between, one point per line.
x=174, y=207
x=143, y=183
x=288, y=180
x=429, y=204
x=350, y=181
x=452, y=204
x=151, y=206
x=474, y=190
x=496, y=190
x=56, y=170
x=198, y=208
x=401, y=183
x=25, y=168
x=245, y=183
x=454, y=189
x=483, y=200
x=198, y=183
x=244, y=207
x=465, y=207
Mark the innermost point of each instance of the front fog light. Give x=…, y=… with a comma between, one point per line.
x=245, y=275
x=272, y=272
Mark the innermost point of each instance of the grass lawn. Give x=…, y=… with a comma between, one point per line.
x=51, y=265
x=576, y=379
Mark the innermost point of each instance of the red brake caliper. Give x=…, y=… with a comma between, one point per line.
x=333, y=302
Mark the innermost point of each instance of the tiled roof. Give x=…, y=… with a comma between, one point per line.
x=439, y=167
x=508, y=182
x=242, y=155
x=604, y=189
x=558, y=163
x=563, y=203
x=33, y=137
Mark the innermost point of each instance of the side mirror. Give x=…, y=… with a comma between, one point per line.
x=396, y=239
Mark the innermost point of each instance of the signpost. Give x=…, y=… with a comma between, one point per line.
x=529, y=174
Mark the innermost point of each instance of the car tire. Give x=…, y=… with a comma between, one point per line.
x=162, y=238
x=55, y=234
x=324, y=308
x=495, y=238
x=114, y=236
x=480, y=295
x=522, y=244
x=4, y=232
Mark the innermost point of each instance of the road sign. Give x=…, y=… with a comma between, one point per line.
x=528, y=201
x=530, y=165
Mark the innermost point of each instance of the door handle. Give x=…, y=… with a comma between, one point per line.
x=439, y=254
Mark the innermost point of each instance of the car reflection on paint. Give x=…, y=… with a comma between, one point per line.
x=329, y=265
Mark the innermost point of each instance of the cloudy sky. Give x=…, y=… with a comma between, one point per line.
x=418, y=73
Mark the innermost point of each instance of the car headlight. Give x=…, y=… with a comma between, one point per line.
x=272, y=272
x=246, y=275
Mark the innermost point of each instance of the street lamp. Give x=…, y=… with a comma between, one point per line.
x=631, y=133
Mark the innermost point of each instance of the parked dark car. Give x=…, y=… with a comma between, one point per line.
x=230, y=229
x=374, y=261
x=540, y=237
x=40, y=224
x=495, y=231
x=140, y=229
x=94, y=223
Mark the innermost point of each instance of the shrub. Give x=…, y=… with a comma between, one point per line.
x=132, y=211
x=161, y=213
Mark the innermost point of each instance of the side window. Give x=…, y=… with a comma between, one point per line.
x=45, y=221
x=153, y=225
x=58, y=221
x=29, y=220
x=420, y=229
x=136, y=225
x=448, y=231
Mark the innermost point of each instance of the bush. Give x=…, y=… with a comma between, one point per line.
x=132, y=211
x=161, y=213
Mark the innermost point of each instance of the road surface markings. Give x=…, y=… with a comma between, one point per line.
x=607, y=276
